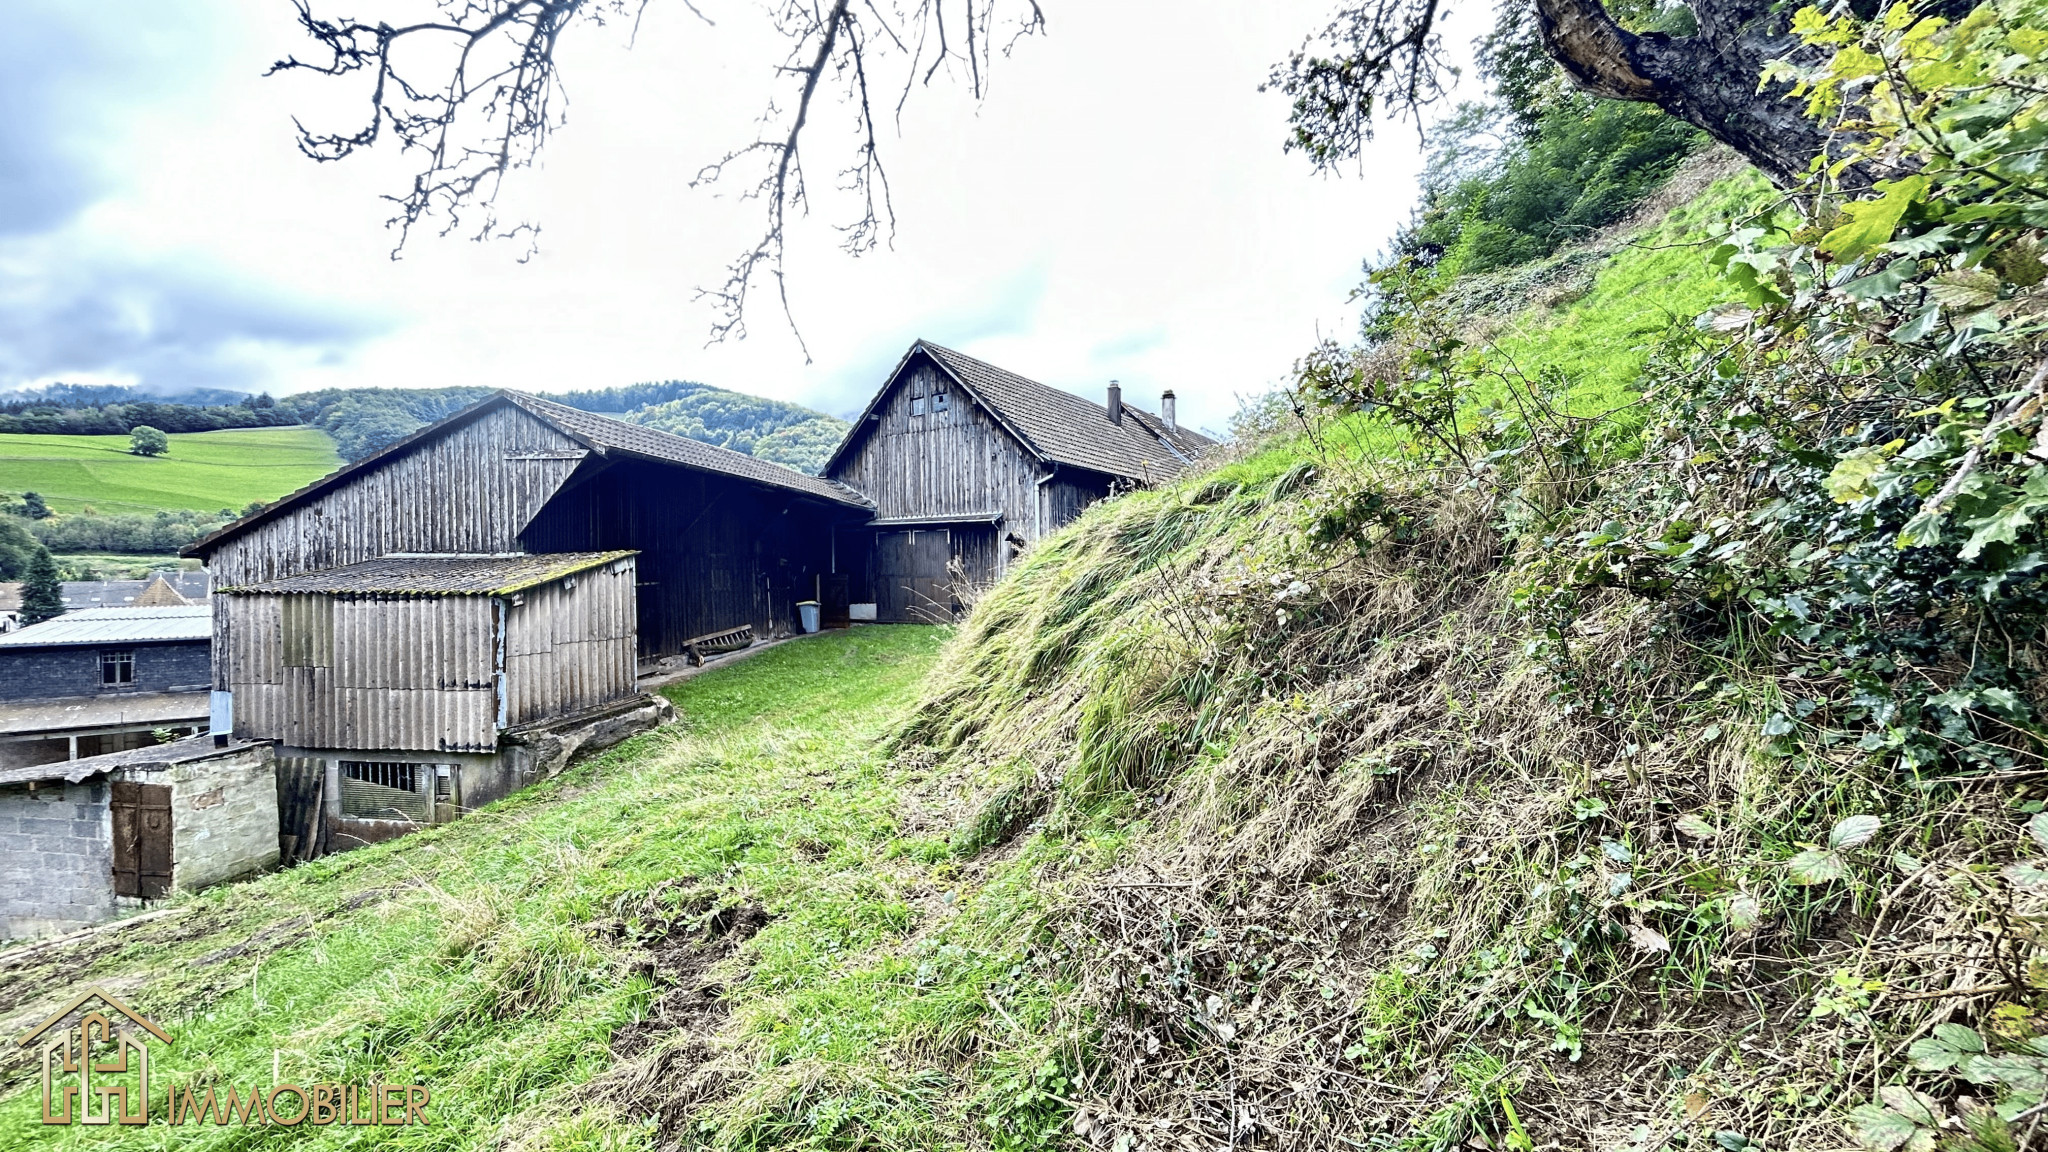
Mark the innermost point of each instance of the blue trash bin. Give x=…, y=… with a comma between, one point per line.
x=807, y=613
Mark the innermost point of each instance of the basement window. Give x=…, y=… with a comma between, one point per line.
x=386, y=790
x=117, y=668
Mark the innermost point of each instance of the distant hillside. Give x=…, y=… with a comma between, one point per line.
x=781, y=433
x=364, y=420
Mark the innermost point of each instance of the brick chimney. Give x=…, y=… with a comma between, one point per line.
x=1116, y=403
x=1166, y=408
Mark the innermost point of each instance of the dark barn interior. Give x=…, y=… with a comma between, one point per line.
x=715, y=552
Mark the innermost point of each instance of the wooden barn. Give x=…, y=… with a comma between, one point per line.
x=439, y=624
x=966, y=465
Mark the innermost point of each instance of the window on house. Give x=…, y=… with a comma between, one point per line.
x=938, y=402
x=117, y=668
x=386, y=790
x=917, y=405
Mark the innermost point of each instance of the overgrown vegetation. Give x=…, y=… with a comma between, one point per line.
x=742, y=933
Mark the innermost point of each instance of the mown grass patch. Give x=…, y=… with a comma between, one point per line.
x=498, y=958
x=203, y=471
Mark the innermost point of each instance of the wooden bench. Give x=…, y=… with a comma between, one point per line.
x=713, y=643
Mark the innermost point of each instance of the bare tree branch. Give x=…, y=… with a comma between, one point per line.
x=476, y=92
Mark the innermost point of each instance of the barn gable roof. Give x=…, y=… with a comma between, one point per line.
x=600, y=435
x=1055, y=425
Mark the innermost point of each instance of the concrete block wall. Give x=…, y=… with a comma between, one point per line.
x=223, y=815
x=56, y=858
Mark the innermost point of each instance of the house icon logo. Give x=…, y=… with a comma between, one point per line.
x=105, y=1054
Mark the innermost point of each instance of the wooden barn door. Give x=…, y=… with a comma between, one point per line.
x=913, y=583
x=142, y=839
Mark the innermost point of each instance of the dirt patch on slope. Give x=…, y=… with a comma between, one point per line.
x=667, y=1060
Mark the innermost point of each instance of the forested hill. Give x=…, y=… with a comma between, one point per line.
x=364, y=420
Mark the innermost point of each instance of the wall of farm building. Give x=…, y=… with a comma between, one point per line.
x=958, y=462
x=569, y=645
x=74, y=669
x=469, y=490
x=56, y=858
x=715, y=552
x=362, y=672
x=1068, y=494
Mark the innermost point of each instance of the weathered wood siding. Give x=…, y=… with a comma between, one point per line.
x=569, y=645
x=959, y=462
x=470, y=490
x=715, y=552
x=363, y=673
x=1068, y=494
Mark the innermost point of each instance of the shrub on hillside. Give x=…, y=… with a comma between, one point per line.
x=146, y=441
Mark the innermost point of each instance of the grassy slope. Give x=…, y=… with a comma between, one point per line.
x=494, y=958
x=204, y=471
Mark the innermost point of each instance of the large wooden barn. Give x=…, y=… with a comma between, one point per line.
x=433, y=627
x=967, y=464
x=426, y=631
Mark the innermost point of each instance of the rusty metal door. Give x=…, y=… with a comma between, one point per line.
x=142, y=839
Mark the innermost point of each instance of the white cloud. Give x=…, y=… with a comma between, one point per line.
x=1119, y=207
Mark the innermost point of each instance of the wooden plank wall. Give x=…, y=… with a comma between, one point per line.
x=953, y=463
x=471, y=490
x=569, y=645
x=715, y=553
x=398, y=674
x=1068, y=494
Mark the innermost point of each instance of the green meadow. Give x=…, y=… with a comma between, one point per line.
x=203, y=472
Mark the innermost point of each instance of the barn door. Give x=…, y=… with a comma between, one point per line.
x=142, y=839
x=912, y=584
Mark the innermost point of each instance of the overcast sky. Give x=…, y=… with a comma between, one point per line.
x=1117, y=207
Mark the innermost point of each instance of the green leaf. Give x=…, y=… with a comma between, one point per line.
x=1872, y=222
x=1918, y=1107
x=1948, y=1047
x=1744, y=910
x=2019, y=1073
x=1816, y=867
x=1968, y=288
x=1854, y=832
x=1850, y=479
x=2025, y=875
x=1877, y=1128
x=1695, y=826
x=2038, y=829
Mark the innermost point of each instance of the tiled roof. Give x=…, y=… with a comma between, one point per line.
x=437, y=575
x=116, y=625
x=1067, y=429
x=655, y=444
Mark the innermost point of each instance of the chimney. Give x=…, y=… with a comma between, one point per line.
x=1166, y=409
x=1116, y=403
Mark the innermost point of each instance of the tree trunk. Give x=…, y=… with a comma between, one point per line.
x=1708, y=79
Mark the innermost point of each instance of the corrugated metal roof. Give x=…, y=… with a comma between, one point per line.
x=189, y=750
x=114, y=710
x=640, y=440
x=1057, y=425
x=437, y=575
x=116, y=625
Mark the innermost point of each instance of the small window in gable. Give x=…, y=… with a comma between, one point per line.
x=917, y=405
x=939, y=402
